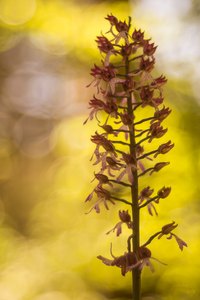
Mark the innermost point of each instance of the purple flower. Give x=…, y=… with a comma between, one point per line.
x=164, y=148
x=167, y=230
x=125, y=219
x=145, y=196
x=125, y=262
x=158, y=167
x=138, y=36
x=164, y=192
x=147, y=64
x=101, y=140
x=103, y=196
x=156, y=131
x=149, y=49
x=162, y=114
x=159, y=81
x=104, y=44
x=130, y=260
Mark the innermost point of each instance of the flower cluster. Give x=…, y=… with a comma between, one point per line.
x=125, y=86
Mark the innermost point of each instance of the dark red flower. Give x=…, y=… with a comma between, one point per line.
x=128, y=84
x=121, y=26
x=164, y=192
x=156, y=131
x=147, y=64
x=111, y=107
x=167, y=230
x=101, y=178
x=130, y=165
x=162, y=114
x=138, y=36
x=111, y=165
x=125, y=219
x=105, y=73
x=103, y=196
x=158, y=82
x=112, y=19
x=146, y=96
x=104, y=44
x=164, y=148
x=127, y=50
x=149, y=49
x=159, y=166
x=145, y=193
x=125, y=262
x=126, y=118
x=100, y=140
x=95, y=105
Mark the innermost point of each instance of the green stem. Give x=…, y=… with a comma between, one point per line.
x=136, y=273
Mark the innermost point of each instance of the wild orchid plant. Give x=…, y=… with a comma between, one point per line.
x=125, y=91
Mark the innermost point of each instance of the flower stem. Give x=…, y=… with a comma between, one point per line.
x=136, y=272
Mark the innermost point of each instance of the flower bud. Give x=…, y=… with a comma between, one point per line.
x=147, y=64
x=104, y=44
x=159, y=166
x=101, y=178
x=124, y=216
x=112, y=19
x=146, y=193
x=158, y=82
x=162, y=113
x=144, y=252
x=168, y=228
x=149, y=49
x=156, y=131
x=100, y=140
x=164, y=192
x=164, y=148
x=121, y=26
x=138, y=36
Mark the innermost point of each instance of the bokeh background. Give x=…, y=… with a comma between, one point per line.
x=48, y=245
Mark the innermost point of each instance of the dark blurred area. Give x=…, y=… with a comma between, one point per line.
x=46, y=51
